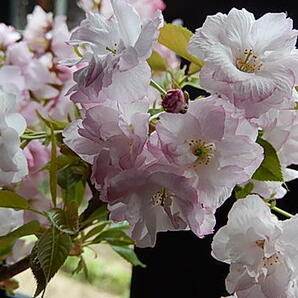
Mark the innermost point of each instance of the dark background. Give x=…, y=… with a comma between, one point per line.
x=180, y=265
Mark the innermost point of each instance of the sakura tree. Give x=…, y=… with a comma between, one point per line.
x=100, y=142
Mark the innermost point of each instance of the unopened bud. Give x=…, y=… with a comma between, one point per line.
x=175, y=101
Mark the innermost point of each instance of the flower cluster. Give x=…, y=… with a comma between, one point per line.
x=31, y=80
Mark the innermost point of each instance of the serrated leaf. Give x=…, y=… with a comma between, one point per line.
x=59, y=219
x=98, y=214
x=157, y=62
x=96, y=230
x=29, y=228
x=37, y=271
x=243, y=192
x=128, y=254
x=67, y=179
x=72, y=215
x=52, y=250
x=114, y=237
x=270, y=168
x=9, y=199
x=177, y=38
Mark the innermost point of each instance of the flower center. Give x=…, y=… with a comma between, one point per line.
x=202, y=150
x=248, y=62
x=271, y=261
x=260, y=243
x=161, y=198
x=112, y=50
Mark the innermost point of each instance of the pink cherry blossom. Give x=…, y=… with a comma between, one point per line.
x=38, y=25
x=262, y=251
x=116, y=134
x=157, y=199
x=118, y=49
x=8, y=36
x=90, y=5
x=252, y=63
x=214, y=148
x=145, y=8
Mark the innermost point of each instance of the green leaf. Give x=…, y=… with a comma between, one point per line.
x=67, y=179
x=9, y=199
x=72, y=215
x=99, y=214
x=194, y=68
x=270, y=169
x=52, y=250
x=114, y=237
x=128, y=254
x=157, y=62
x=29, y=228
x=177, y=38
x=96, y=230
x=59, y=219
x=37, y=271
x=243, y=192
x=191, y=81
x=153, y=112
x=58, y=125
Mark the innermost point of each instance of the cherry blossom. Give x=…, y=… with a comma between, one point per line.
x=118, y=49
x=214, y=148
x=157, y=199
x=262, y=251
x=252, y=63
x=145, y=8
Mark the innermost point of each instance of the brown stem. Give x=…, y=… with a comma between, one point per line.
x=7, y=272
x=93, y=204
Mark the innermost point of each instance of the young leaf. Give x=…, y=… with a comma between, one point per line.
x=67, y=178
x=96, y=230
x=72, y=215
x=128, y=254
x=59, y=219
x=157, y=62
x=177, y=38
x=9, y=199
x=113, y=237
x=243, y=192
x=52, y=250
x=270, y=169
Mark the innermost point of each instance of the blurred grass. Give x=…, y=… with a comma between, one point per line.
x=106, y=270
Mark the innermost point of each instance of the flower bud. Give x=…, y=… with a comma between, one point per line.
x=175, y=101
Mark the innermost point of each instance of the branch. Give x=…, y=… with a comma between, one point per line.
x=7, y=272
x=93, y=204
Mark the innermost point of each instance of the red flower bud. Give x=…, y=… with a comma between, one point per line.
x=174, y=101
